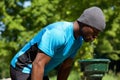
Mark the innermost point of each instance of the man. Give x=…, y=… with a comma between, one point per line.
x=56, y=44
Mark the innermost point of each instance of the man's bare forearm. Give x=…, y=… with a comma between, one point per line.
x=38, y=66
x=64, y=69
x=37, y=72
x=63, y=74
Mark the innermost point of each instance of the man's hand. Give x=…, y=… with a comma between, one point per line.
x=38, y=66
x=64, y=69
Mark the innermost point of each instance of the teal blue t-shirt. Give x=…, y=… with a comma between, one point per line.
x=55, y=40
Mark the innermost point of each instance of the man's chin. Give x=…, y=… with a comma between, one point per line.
x=88, y=40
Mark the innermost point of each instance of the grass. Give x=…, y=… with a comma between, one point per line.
x=75, y=76
x=111, y=76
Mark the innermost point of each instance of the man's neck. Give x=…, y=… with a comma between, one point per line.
x=76, y=29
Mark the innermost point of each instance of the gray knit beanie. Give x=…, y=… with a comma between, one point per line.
x=93, y=17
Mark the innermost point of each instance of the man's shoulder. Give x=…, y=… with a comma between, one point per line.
x=63, y=22
x=59, y=25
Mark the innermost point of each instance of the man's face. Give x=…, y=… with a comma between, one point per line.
x=89, y=33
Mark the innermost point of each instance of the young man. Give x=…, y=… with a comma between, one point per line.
x=56, y=44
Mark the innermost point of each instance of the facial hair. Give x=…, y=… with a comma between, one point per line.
x=86, y=39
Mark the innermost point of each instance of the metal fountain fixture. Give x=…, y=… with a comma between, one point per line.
x=94, y=69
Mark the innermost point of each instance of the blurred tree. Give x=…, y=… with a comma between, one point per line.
x=24, y=18
x=21, y=24
x=108, y=45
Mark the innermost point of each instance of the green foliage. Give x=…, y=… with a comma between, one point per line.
x=22, y=23
x=73, y=76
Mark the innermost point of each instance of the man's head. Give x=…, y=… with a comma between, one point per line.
x=93, y=21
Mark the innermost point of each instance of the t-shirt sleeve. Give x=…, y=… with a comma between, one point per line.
x=50, y=41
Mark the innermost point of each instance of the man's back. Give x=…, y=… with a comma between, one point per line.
x=56, y=40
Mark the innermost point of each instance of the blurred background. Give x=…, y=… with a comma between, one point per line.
x=20, y=20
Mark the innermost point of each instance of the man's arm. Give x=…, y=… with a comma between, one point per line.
x=64, y=69
x=38, y=66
